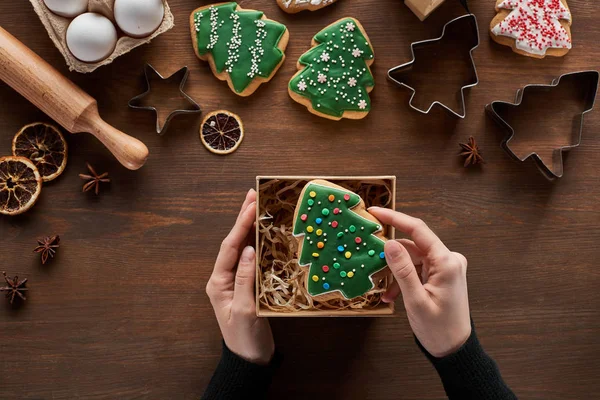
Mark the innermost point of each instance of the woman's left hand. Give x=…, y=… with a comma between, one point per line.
x=231, y=292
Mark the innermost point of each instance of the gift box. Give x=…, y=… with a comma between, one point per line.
x=280, y=287
x=57, y=25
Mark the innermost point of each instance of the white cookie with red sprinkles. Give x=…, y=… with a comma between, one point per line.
x=534, y=28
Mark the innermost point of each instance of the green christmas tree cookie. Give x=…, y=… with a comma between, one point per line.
x=340, y=242
x=242, y=46
x=334, y=80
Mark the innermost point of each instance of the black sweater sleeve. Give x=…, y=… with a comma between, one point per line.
x=236, y=378
x=470, y=373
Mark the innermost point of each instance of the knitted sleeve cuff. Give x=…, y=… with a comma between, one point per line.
x=238, y=378
x=470, y=373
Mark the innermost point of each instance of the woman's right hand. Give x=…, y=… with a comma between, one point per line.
x=436, y=302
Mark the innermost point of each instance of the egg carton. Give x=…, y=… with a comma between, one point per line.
x=57, y=30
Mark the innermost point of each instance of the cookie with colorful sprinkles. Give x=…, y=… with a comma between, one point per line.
x=339, y=242
x=534, y=28
x=242, y=46
x=334, y=78
x=294, y=6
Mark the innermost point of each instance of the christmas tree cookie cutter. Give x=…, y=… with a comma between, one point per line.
x=587, y=84
x=467, y=25
x=180, y=76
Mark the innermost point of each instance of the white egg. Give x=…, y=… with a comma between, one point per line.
x=91, y=37
x=67, y=8
x=139, y=18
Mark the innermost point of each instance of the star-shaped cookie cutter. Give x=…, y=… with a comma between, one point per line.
x=548, y=172
x=472, y=28
x=180, y=76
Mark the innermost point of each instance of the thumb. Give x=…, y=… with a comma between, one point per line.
x=245, y=277
x=404, y=271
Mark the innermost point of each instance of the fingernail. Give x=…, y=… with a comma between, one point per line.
x=373, y=208
x=392, y=249
x=247, y=255
x=249, y=191
x=250, y=205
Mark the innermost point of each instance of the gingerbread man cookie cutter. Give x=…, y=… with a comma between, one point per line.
x=587, y=80
x=466, y=23
x=181, y=76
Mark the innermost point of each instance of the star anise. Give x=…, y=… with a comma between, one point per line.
x=15, y=288
x=94, y=179
x=471, y=152
x=47, y=246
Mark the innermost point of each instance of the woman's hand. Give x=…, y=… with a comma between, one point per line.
x=436, y=302
x=231, y=292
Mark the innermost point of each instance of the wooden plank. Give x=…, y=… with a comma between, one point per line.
x=121, y=313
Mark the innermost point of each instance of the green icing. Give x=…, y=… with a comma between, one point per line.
x=336, y=75
x=360, y=264
x=241, y=43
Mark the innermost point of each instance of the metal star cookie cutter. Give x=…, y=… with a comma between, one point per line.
x=467, y=23
x=181, y=75
x=588, y=81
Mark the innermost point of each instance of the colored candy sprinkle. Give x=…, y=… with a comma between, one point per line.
x=303, y=217
x=326, y=286
x=316, y=255
x=310, y=202
x=340, y=249
x=313, y=194
x=336, y=210
x=319, y=232
x=336, y=265
x=320, y=245
x=347, y=254
x=309, y=229
x=350, y=274
x=382, y=255
x=334, y=224
x=315, y=278
x=346, y=197
x=325, y=211
x=325, y=268
x=331, y=197
x=318, y=221
x=352, y=228
x=340, y=234
x=343, y=274
x=357, y=240
x=371, y=253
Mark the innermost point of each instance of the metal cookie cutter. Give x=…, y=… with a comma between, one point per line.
x=465, y=26
x=587, y=81
x=179, y=76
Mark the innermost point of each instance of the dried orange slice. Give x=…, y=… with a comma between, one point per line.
x=221, y=132
x=45, y=146
x=20, y=185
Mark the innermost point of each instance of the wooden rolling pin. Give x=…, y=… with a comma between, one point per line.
x=62, y=100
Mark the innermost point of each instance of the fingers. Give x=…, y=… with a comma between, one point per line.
x=392, y=293
x=416, y=255
x=243, y=294
x=405, y=273
x=250, y=197
x=232, y=244
x=424, y=238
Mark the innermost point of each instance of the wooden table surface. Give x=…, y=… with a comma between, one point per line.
x=122, y=313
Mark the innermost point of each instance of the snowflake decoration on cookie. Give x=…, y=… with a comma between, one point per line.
x=350, y=26
x=336, y=79
x=535, y=25
x=302, y=86
x=362, y=104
